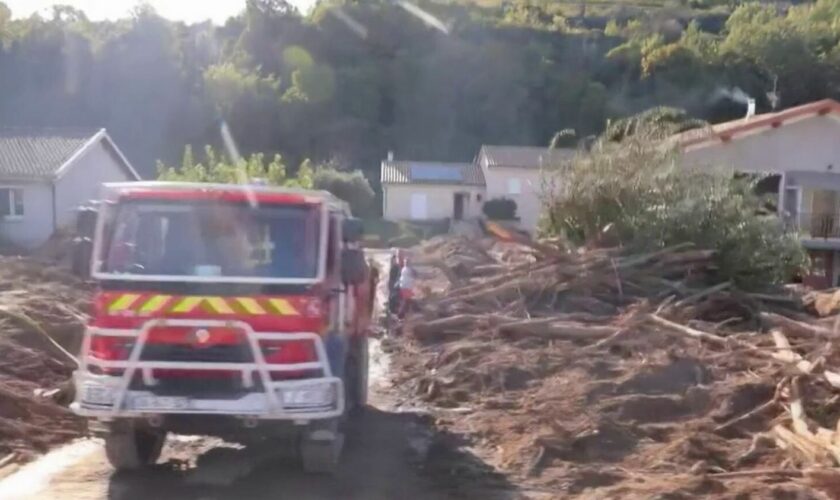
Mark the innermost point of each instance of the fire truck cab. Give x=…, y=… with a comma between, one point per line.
x=230, y=310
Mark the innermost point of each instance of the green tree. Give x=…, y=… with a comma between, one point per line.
x=228, y=86
x=351, y=187
x=220, y=169
x=649, y=200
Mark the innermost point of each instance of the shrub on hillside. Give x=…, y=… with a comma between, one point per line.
x=500, y=209
x=351, y=187
x=648, y=200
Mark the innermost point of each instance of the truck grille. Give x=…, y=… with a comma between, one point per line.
x=188, y=353
x=204, y=387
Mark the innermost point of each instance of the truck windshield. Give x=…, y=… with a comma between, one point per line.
x=212, y=239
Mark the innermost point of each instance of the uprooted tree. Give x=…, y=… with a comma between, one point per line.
x=638, y=194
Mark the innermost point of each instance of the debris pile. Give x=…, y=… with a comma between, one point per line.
x=604, y=374
x=42, y=317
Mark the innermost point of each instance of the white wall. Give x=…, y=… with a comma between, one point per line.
x=811, y=144
x=36, y=225
x=440, y=200
x=528, y=201
x=83, y=181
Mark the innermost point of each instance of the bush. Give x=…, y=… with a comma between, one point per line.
x=639, y=190
x=351, y=187
x=500, y=209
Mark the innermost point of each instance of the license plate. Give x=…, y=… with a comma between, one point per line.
x=159, y=403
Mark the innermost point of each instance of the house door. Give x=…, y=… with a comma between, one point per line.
x=823, y=213
x=458, y=209
x=419, y=207
x=822, y=269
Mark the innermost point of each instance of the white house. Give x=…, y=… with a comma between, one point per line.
x=45, y=175
x=516, y=172
x=800, y=148
x=414, y=190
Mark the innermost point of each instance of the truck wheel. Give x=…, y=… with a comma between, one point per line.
x=131, y=449
x=321, y=457
x=356, y=377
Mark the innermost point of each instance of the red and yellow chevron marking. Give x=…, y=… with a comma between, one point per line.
x=155, y=304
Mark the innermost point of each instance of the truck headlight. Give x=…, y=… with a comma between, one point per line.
x=98, y=394
x=305, y=396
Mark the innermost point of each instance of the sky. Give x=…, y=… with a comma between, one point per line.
x=181, y=10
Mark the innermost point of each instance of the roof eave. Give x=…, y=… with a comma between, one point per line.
x=34, y=179
x=101, y=135
x=826, y=107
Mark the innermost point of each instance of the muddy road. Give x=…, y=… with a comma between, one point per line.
x=390, y=453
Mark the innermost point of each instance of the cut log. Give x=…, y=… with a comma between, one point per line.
x=786, y=354
x=557, y=330
x=798, y=328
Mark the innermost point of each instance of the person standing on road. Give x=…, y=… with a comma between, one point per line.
x=394, y=271
x=393, y=278
x=406, y=287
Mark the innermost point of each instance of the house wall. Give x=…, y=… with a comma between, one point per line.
x=83, y=181
x=811, y=145
x=440, y=200
x=528, y=201
x=36, y=225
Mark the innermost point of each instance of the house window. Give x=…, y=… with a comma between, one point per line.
x=478, y=197
x=11, y=203
x=514, y=186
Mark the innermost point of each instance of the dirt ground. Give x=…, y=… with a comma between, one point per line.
x=37, y=302
x=609, y=405
x=469, y=414
x=392, y=452
x=630, y=428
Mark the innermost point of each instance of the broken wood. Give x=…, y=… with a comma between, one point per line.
x=795, y=327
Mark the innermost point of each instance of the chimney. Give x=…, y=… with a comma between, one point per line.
x=390, y=156
x=750, y=108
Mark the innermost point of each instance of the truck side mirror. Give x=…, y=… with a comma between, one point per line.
x=354, y=268
x=83, y=241
x=352, y=229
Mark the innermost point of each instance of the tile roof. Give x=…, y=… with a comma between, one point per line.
x=416, y=172
x=38, y=154
x=726, y=131
x=525, y=156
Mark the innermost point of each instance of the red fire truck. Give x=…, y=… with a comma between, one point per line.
x=230, y=310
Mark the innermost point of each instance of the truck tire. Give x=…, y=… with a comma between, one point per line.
x=356, y=377
x=132, y=449
x=321, y=457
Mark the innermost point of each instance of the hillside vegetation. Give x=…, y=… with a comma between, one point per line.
x=428, y=79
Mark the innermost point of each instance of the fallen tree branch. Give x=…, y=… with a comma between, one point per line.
x=795, y=327
x=755, y=411
x=690, y=332
x=756, y=472
x=32, y=325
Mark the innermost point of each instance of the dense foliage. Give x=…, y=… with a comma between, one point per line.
x=351, y=187
x=433, y=79
x=215, y=167
x=637, y=194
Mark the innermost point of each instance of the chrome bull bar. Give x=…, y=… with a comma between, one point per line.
x=254, y=404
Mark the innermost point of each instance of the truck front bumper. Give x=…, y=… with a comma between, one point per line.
x=110, y=397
